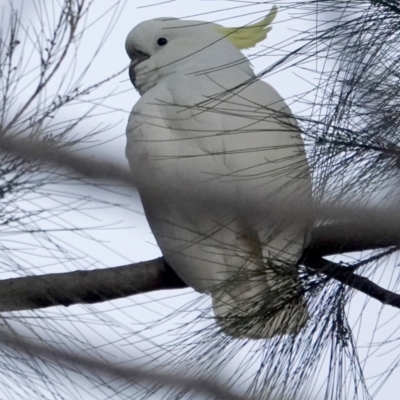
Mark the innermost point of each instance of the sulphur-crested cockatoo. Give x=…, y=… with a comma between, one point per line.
x=219, y=163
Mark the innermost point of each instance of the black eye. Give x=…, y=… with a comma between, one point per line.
x=162, y=41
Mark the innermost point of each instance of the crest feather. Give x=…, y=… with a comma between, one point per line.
x=249, y=35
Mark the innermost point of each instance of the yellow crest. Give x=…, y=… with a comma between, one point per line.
x=248, y=36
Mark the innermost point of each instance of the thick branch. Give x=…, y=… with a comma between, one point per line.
x=353, y=236
x=86, y=287
x=363, y=230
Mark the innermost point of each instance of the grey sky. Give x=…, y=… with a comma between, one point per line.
x=127, y=237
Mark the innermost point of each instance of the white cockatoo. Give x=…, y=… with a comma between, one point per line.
x=219, y=163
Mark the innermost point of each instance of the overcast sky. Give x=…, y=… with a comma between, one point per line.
x=120, y=235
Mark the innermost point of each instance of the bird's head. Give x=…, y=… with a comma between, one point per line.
x=165, y=46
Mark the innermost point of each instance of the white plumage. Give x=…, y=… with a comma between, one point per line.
x=213, y=150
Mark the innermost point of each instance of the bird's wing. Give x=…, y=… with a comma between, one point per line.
x=207, y=168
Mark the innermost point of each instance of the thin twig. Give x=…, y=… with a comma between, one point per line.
x=42, y=84
x=130, y=374
x=349, y=278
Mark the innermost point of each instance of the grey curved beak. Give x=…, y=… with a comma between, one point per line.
x=136, y=59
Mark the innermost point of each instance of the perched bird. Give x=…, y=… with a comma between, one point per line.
x=219, y=163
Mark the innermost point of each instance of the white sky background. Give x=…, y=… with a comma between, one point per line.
x=127, y=238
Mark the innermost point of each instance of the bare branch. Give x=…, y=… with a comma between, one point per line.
x=365, y=230
x=86, y=287
x=348, y=277
x=96, y=286
x=352, y=236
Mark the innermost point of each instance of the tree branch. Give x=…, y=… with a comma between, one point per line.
x=39, y=150
x=95, y=286
x=353, y=236
x=86, y=287
x=349, y=278
x=361, y=230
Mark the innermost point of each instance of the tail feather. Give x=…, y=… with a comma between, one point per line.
x=263, y=312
